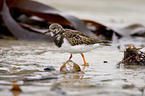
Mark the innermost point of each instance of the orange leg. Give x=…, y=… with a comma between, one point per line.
x=70, y=57
x=84, y=59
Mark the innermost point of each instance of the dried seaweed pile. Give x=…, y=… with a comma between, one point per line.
x=133, y=56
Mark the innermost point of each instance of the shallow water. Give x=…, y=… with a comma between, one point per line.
x=22, y=59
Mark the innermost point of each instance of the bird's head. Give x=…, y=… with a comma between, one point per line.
x=55, y=29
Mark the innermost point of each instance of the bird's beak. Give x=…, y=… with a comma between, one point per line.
x=48, y=32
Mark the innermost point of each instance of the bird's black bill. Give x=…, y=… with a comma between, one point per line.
x=47, y=31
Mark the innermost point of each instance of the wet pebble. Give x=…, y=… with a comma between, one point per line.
x=105, y=61
x=50, y=68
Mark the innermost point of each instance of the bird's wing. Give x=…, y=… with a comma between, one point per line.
x=77, y=38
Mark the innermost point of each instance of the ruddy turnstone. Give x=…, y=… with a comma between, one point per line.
x=73, y=41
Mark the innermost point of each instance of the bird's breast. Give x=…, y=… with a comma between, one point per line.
x=67, y=47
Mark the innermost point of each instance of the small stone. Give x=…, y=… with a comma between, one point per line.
x=50, y=68
x=16, y=87
x=117, y=66
x=105, y=61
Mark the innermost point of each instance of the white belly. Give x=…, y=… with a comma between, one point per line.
x=66, y=47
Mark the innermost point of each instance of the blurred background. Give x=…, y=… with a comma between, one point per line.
x=112, y=13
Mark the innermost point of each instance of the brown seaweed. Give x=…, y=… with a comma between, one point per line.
x=17, y=17
x=133, y=56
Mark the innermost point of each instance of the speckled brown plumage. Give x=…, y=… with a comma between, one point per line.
x=74, y=37
x=79, y=38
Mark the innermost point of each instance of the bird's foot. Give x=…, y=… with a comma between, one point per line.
x=86, y=64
